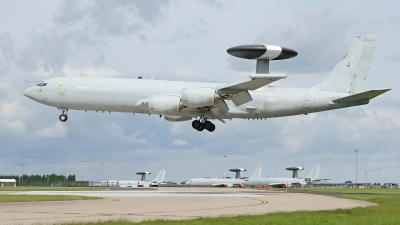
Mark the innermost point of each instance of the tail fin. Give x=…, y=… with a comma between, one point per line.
x=314, y=174
x=160, y=177
x=256, y=173
x=351, y=73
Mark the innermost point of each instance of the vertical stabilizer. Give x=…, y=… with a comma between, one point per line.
x=314, y=174
x=256, y=173
x=160, y=177
x=351, y=73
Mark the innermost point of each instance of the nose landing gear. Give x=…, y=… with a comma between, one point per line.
x=196, y=124
x=63, y=117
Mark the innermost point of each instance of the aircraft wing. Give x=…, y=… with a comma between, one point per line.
x=257, y=81
x=363, y=96
x=238, y=92
x=284, y=185
x=227, y=185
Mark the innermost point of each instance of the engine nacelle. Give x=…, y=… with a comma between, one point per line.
x=164, y=104
x=199, y=97
x=176, y=118
x=228, y=185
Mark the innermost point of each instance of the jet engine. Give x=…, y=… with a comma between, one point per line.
x=199, y=97
x=165, y=104
x=177, y=118
x=228, y=185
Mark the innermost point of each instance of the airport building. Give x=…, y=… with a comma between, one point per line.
x=8, y=183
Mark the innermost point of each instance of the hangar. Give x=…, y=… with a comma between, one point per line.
x=8, y=183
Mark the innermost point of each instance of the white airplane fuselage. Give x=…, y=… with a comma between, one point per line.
x=123, y=95
x=213, y=182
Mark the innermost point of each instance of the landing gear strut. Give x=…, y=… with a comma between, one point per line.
x=63, y=117
x=196, y=124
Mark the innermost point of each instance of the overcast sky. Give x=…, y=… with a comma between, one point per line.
x=187, y=40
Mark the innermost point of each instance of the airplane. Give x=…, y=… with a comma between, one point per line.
x=182, y=101
x=143, y=183
x=222, y=182
x=284, y=182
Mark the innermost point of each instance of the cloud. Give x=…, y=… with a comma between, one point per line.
x=179, y=142
x=91, y=72
x=115, y=130
x=197, y=28
x=7, y=53
x=81, y=30
x=57, y=130
x=393, y=58
x=49, y=49
x=319, y=48
x=215, y=3
x=13, y=112
x=117, y=17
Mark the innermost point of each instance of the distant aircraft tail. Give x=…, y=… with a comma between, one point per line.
x=351, y=73
x=256, y=173
x=160, y=177
x=314, y=174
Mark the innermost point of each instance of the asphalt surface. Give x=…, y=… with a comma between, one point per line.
x=165, y=203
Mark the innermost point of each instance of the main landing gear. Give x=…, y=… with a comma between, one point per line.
x=205, y=125
x=63, y=117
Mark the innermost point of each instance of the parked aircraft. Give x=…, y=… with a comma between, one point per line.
x=284, y=182
x=137, y=183
x=182, y=101
x=222, y=182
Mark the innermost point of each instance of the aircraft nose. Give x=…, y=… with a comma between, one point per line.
x=28, y=92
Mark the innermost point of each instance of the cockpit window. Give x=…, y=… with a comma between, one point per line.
x=41, y=84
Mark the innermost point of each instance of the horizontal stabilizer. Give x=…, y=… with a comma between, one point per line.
x=363, y=96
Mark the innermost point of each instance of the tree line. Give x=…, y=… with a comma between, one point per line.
x=39, y=180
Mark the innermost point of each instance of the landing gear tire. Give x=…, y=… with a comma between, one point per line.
x=209, y=126
x=212, y=128
x=201, y=128
x=196, y=124
x=63, y=117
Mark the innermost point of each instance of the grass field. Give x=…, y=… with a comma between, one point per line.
x=349, y=190
x=386, y=212
x=27, y=188
x=41, y=198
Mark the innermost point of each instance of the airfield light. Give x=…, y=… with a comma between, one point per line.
x=101, y=176
x=224, y=156
x=356, y=164
x=85, y=161
x=378, y=175
x=22, y=176
x=65, y=174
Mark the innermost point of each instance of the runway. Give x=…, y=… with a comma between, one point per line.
x=166, y=203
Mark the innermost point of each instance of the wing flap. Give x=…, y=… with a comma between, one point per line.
x=367, y=95
x=241, y=98
x=220, y=110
